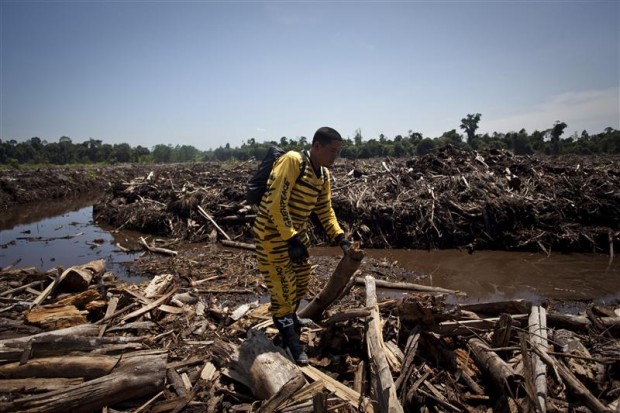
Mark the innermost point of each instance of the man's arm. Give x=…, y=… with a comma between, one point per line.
x=324, y=210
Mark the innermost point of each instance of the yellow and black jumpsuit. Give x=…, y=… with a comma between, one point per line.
x=283, y=213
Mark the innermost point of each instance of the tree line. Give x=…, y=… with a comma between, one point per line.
x=550, y=142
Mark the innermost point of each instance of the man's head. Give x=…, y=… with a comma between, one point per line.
x=326, y=146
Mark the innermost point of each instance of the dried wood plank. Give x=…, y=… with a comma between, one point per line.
x=285, y=393
x=538, y=337
x=81, y=299
x=138, y=377
x=347, y=394
x=55, y=316
x=149, y=307
x=385, y=388
x=347, y=266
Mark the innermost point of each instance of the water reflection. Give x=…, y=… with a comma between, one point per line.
x=71, y=238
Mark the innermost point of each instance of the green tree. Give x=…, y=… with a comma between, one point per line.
x=470, y=124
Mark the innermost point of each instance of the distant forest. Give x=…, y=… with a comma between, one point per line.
x=551, y=142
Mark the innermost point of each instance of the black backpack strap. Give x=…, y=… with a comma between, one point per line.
x=302, y=169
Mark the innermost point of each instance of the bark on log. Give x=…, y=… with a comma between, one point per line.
x=79, y=277
x=265, y=365
x=88, y=367
x=138, y=377
x=37, y=385
x=56, y=316
x=501, y=373
x=385, y=389
x=335, y=285
x=89, y=330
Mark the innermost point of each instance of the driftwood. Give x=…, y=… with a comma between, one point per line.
x=335, y=285
x=156, y=250
x=502, y=374
x=385, y=388
x=137, y=377
x=407, y=286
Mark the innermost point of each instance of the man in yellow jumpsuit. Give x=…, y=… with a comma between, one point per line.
x=298, y=185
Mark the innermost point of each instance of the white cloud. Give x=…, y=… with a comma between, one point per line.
x=592, y=110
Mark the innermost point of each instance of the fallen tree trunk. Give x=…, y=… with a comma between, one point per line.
x=385, y=389
x=138, y=377
x=335, y=285
x=88, y=367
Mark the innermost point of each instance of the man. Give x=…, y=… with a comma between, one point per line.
x=298, y=185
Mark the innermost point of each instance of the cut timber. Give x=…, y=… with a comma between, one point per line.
x=79, y=277
x=335, y=285
x=502, y=374
x=88, y=367
x=138, y=377
x=265, y=365
x=56, y=316
x=345, y=393
x=407, y=286
x=80, y=300
x=385, y=389
x=538, y=337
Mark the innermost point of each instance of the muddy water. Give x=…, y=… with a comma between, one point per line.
x=500, y=275
x=63, y=233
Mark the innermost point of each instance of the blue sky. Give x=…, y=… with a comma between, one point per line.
x=207, y=73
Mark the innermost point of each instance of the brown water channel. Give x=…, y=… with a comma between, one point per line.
x=63, y=233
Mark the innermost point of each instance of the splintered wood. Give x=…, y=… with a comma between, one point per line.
x=200, y=342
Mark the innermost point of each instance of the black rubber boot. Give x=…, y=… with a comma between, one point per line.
x=290, y=338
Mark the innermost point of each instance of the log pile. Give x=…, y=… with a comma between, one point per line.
x=449, y=199
x=202, y=341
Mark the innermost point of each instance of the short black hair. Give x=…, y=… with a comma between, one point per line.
x=326, y=135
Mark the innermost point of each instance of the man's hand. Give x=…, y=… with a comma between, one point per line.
x=297, y=251
x=344, y=243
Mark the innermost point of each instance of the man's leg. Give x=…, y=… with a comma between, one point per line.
x=277, y=270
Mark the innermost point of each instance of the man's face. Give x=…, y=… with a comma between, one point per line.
x=327, y=154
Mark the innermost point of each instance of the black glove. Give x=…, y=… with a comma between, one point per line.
x=344, y=243
x=297, y=251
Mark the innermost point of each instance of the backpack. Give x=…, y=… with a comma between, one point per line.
x=257, y=185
